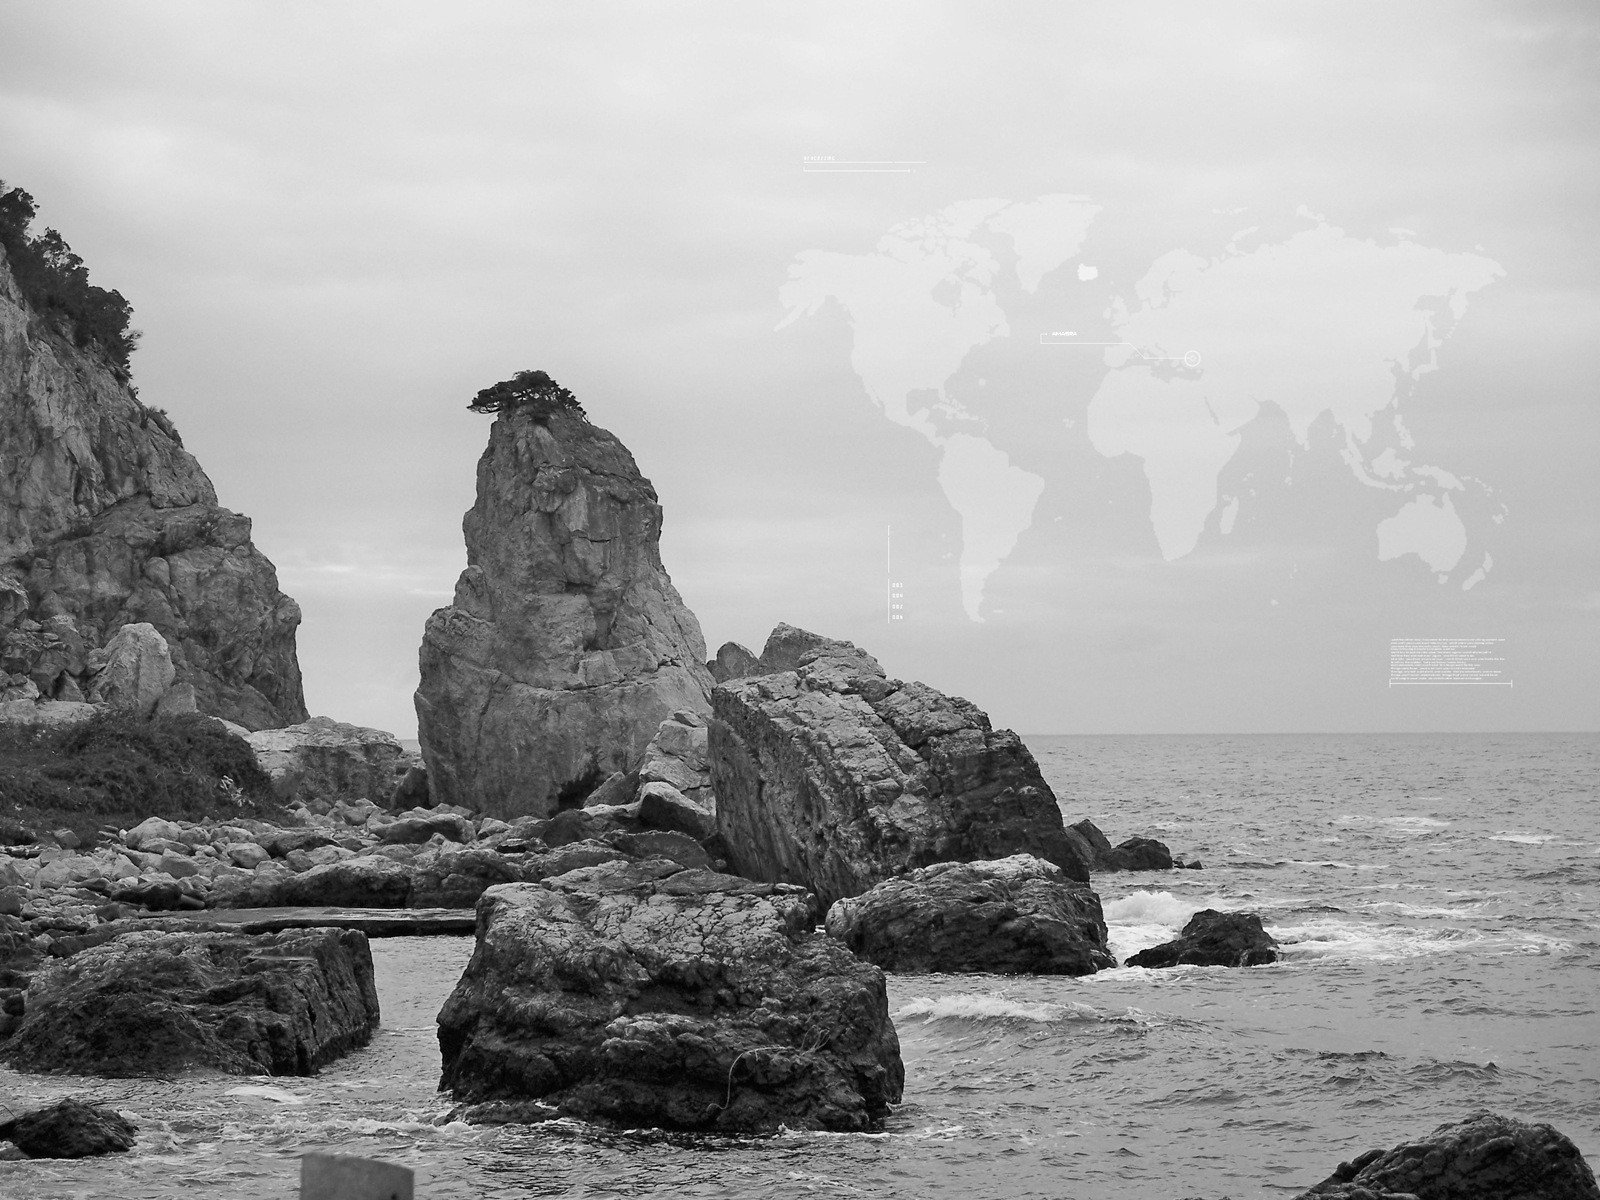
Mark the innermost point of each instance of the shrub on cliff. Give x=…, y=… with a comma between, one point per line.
x=532, y=390
x=53, y=280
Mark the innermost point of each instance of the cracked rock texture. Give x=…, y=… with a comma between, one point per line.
x=106, y=521
x=155, y=1003
x=1485, y=1157
x=566, y=645
x=833, y=776
x=647, y=994
x=1010, y=916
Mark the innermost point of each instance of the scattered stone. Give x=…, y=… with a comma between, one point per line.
x=412, y=790
x=70, y=1128
x=1484, y=1157
x=566, y=644
x=835, y=777
x=645, y=994
x=619, y=788
x=1011, y=916
x=677, y=756
x=324, y=759
x=151, y=1004
x=1213, y=939
x=413, y=830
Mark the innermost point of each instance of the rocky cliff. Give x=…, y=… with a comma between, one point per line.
x=105, y=520
x=567, y=645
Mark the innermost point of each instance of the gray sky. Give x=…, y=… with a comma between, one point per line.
x=337, y=222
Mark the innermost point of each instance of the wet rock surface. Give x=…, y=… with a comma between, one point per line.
x=70, y=1128
x=154, y=1003
x=566, y=645
x=1213, y=939
x=1013, y=916
x=645, y=994
x=835, y=777
x=1484, y=1157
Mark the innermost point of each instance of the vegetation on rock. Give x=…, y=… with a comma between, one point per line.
x=120, y=768
x=531, y=390
x=54, y=281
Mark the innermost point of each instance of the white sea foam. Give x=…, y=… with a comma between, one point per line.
x=978, y=1006
x=1351, y=941
x=265, y=1091
x=1522, y=839
x=1403, y=825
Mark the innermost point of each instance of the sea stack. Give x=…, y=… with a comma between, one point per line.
x=566, y=645
x=105, y=522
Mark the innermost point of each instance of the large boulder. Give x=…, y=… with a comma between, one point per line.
x=70, y=1128
x=835, y=777
x=324, y=759
x=151, y=1004
x=1134, y=854
x=1011, y=916
x=1213, y=939
x=106, y=521
x=649, y=995
x=137, y=672
x=1484, y=1157
x=566, y=645
x=733, y=661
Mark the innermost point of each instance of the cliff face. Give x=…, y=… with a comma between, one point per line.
x=106, y=520
x=567, y=644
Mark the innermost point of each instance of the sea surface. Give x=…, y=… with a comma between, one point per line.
x=1438, y=902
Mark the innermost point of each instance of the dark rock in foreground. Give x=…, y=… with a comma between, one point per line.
x=154, y=1003
x=835, y=777
x=650, y=995
x=69, y=1129
x=1213, y=939
x=1012, y=916
x=1485, y=1157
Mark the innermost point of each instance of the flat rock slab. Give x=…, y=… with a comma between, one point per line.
x=374, y=922
x=154, y=1003
x=1012, y=916
x=649, y=994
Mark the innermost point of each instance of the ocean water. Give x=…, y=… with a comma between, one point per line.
x=1438, y=901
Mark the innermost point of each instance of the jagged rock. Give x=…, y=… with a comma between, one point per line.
x=1135, y=854
x=70, y=1128
x=837, y=778
x=566, y=645
x=1213, y=939
x=324, y=759
x=733, y=661
x=581, y=824
x=662, y=843
x=154, y=1003
x=662, y=806
x=137, y=672
x=649, y=995
x=1484, y=1157
x=676, y=755
x=787, y=644
x=1011, y=916
x=106, y=520
x=180, y=698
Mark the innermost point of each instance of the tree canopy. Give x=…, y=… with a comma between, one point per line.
x=527, y=389
x=53, y=280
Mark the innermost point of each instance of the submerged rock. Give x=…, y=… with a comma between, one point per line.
x=649, y=995
x=70, y=1128
x=835, y=777
x=1213, y=939
x=152, y=1004
x=1012, y=916
x=566, y=645
x=1484, y=1157
x=324, y=759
